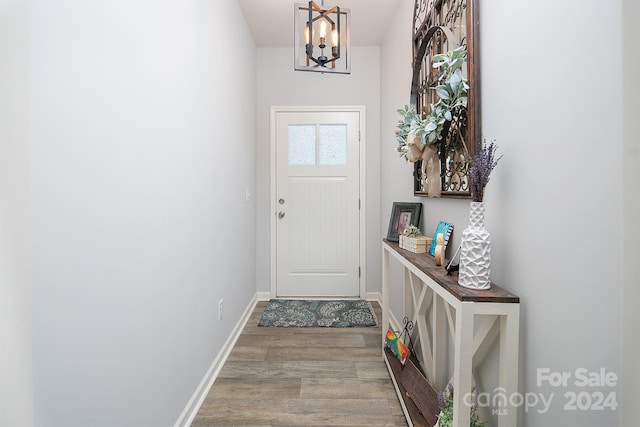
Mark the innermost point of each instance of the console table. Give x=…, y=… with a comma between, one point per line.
x=435, y=303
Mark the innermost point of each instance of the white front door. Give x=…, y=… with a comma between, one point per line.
x=317, y=218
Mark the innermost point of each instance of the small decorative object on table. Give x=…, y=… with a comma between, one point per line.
x=445, y=229
x=413, y=240
x=475, y=248
x=439, y=256
x=395, y=343
x=396, y=346
x=445, y=401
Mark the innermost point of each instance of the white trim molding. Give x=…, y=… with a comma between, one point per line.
x=374, y=296
x=264, y=296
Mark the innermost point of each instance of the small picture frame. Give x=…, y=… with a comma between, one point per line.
x=403, y=215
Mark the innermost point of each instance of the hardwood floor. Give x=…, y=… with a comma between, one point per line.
x=303, y=377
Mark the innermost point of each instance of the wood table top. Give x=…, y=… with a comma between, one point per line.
x=426, y=264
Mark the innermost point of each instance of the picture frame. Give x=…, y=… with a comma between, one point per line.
x=402, y=215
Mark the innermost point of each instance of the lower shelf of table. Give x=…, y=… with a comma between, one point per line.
x=411, y=412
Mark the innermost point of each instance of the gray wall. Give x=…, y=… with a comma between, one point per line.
x=554, y=201
x=280, y=85
x=16, y=373
x=143, y=142
x=630, y=410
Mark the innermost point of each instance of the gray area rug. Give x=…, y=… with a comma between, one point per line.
x=318, y=313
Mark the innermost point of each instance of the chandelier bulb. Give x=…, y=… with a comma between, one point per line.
x=323, y=29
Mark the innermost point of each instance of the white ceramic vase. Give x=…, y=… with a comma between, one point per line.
x=475, y=251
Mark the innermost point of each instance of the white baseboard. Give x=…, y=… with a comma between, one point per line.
x=190, y=411
x=370, y=296
x=263, y=296
x=374, y=296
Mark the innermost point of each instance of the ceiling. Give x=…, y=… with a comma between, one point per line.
x=271, y=21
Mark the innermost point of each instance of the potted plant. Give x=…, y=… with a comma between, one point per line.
x=445, y=402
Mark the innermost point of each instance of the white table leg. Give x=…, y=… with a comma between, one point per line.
x=385, y=295
x=509, y=336
x=463, y=369
x=439, y=322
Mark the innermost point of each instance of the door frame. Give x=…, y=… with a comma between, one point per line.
x=272, y=191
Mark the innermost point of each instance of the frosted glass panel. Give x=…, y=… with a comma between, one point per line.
x=302, y=144
x=333, y=144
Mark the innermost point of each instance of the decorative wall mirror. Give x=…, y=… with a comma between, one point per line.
x=440, y=26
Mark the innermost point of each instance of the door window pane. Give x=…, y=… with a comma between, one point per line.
x=302, y=144
x=333, y=144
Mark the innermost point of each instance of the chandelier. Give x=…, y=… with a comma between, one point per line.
x=322, y=38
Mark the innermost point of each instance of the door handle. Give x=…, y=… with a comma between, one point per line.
x=281, y=215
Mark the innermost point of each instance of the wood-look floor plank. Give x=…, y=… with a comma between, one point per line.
x=248, y=353
x=256, y=388
x=326, y=354
x=271, y=340
x=369, y=370
x=345, y=388
x=303, y=377
x=289, y=369
x=295, y=412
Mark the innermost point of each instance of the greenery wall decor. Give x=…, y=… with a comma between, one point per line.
x=444, y=107
x=452, y=91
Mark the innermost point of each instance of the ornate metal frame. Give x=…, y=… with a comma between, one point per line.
x=440, y=26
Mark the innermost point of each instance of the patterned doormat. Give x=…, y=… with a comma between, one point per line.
x=317, y=313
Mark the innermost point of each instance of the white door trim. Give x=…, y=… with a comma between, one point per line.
x=273, y=207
